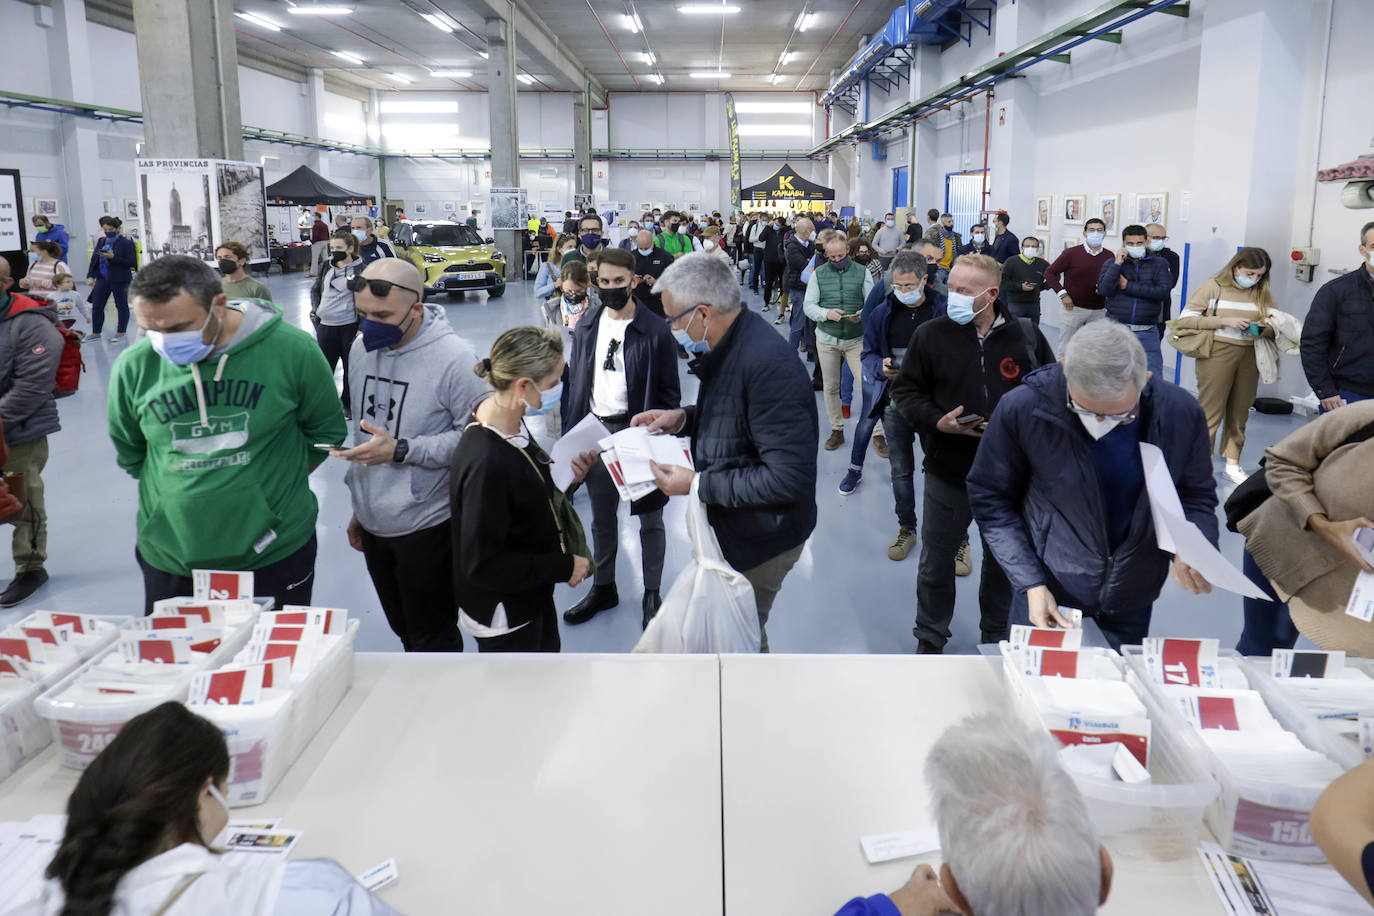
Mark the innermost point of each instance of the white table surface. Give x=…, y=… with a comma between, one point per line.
x=503, y=784
x=821, y=750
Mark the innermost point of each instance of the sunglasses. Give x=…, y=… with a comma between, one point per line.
x=379, y=288
x=609, y=364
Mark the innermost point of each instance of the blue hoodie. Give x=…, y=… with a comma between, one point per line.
x=55, y=233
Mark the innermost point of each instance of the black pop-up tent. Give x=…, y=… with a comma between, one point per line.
x=786, y=184
x=306, y=187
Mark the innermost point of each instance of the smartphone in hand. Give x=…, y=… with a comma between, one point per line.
x=969, y=418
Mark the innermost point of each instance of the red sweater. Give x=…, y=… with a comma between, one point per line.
x=1076, y=272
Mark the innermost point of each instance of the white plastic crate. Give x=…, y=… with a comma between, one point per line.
x=1252, y=818
x=87, y=708
x=1161, y=819
x=266, y=738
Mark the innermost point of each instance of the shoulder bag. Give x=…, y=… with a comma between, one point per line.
x=1194, y=342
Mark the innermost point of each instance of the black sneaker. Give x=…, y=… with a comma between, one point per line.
x=928, y=648
x=22, y=587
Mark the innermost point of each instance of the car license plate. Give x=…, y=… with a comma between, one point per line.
x=472, y=275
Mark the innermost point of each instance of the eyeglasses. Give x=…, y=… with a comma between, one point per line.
x=609, y=364
x=1159, y=238
x=1128, y=417
x=379, y=288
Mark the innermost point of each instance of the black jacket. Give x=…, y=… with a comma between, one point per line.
x=947, y=366
x=1006, y=246
x=1035, y=494
x=754, y=442
x=652, y=264
x=120, y=269
x=772, y=239
x=1171, y=258
x=1016, y=271
x=650, y=356
x=798, y=255
x=506, y=545
x=1146, y=295
x=1338, y=336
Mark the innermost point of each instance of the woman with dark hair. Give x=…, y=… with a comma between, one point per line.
x=111, y=270
x=45, y=265
x=331, y=306
x=1235, y=305
x=141, y=826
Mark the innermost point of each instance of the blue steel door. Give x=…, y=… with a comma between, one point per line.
x=899, y=186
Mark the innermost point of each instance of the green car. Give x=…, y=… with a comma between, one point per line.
x=451, y=257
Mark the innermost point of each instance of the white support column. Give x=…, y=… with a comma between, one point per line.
x=505, y=125
x=1011, y=144
x=314, y=107
x=69, y=63
x=924, y=187
x=582, y=143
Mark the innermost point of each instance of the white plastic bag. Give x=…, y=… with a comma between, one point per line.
x=710, y=607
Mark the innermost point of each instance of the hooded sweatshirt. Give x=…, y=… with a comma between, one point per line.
x=429, y=386
x=222, y=448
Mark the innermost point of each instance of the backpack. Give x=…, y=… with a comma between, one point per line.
x=1251, y=494
x=71, y=366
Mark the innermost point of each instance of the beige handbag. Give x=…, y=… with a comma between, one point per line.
x=1194, y=342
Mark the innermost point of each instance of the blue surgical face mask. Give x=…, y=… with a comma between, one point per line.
x=378, y=334
x=686, y=342
x=548, y=401
x=1095, y=238
x=908, y=298
x=960, y=307
x=1136, y=251
x=1245, y=282
x=360, y=235
x=111, y=233
x=33, y=257
x=1157, y=244
x=645, y=251
x=182, y=348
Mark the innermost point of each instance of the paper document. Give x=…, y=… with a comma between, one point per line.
x=1361, y=603
x=1177, y=535
x=581, y=438
x=884, y=847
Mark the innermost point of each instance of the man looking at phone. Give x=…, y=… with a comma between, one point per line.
x=650, y=263
x=215, y=413
x=834, y=299
x=956, y=370
x=413, y=388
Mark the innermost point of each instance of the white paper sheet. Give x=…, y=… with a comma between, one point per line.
x=1361, y=604
x=1177, y=535
x=581, y=438
x=884, y=847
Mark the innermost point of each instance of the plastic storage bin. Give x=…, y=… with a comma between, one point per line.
x=1161, y=819
x=1345, y=729
x=266, y=738
x=86, y=709
x=1262, y=820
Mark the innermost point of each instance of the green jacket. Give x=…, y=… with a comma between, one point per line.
x=234, y=494
x=675, y=244
x=843, y=291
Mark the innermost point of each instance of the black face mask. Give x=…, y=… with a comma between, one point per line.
x=227, y=266
x=338, y=258
x=863, y=258
x=575, y=297
x=931, y=271
x=615, y=299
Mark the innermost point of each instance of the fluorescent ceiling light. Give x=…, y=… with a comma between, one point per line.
x=352, y=59
x=805, y=21
x=786, y=56
x=397, y=107
x=773, y=107
x=631, y=22
x=710, y=75
x=525, y=78
x=774, y=79
x=259, y=21
x=484, y=55
x=451, y=74
x=319, y=10
x=656, y=78
x=707, y=9
x=774, y=130
x=435, y=21
x=401, y=78
x=647, y=56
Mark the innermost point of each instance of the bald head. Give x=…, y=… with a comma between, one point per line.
x=403, y=304
x=4, y=269
x=644, y=239
x=396, y=271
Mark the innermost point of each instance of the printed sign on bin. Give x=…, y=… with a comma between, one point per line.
x=82, y=741
x=1264, y=831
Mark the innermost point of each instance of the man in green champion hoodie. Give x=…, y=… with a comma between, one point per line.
x=217, y=412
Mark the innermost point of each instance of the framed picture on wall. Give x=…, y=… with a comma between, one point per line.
x=1151, y=207
x=1109, y=210
x=131, y=211
x=1075, y=208
x=110, y=206
x=450, y=206
x=419, y=208
x=1043, y=206
x=45, y=206
x=646, y=208
x=1071, y=241
x=1044, y=240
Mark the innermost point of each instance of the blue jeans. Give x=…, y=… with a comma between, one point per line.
x=1268, y=625
x=863, y=432
x=1029, y=310
x=1154, y=357
x=847, y=387
x=100, y=297
x=1125, y=628
x=801, y=328
x=755, y=268
x=901, y=459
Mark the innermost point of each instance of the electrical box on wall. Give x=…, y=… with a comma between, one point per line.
x=1304, y=260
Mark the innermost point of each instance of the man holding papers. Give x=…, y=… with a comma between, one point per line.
x=623, y=362
x=753, y=428
x=1058, y=485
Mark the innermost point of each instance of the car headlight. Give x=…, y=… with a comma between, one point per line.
x=433, y=259
x=498, y=256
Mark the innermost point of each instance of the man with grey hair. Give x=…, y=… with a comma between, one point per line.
x=1058, y=485
x=753, y=427
x=1014, y=831
x=371, y=247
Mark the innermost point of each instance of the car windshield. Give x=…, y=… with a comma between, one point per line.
x=446, y=235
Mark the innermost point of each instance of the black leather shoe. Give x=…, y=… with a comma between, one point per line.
x=23, y=586
x=600, y=598
x=651, y=603
x=928, y=648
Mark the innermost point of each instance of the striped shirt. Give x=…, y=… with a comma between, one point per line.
x=41, y=273
x=1213, y=302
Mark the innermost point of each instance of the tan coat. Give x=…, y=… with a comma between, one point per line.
x=1311, y=472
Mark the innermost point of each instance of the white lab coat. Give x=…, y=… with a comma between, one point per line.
x=278, y=888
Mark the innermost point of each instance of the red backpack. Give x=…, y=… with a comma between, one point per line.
x=72, y=365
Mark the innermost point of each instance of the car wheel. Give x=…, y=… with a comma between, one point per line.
x=496, y=292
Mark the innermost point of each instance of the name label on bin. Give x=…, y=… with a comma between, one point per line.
x=1138, y=745
x=1273, y=830
x=84, y=739
x=221, y=585
x=1185, y=662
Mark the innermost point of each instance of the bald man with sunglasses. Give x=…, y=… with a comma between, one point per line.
x=413, y=387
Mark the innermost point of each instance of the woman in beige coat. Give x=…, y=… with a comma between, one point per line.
x=1234, y=305
x=1302, y=536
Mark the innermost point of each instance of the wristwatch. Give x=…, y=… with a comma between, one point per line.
x=402, y=448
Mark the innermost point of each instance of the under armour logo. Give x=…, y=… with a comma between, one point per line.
x=372, y=408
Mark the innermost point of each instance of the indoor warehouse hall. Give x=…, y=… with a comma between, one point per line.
x=940, y=429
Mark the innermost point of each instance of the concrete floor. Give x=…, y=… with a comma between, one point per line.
x=844, y=595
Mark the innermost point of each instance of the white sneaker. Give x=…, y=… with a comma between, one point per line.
x=1236, y=473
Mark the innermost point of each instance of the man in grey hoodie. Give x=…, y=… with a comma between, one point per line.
x=413, y=387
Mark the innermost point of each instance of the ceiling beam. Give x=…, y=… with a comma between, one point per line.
x=538, y=42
